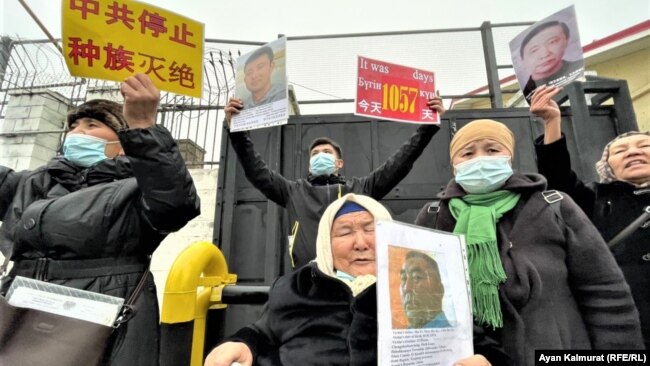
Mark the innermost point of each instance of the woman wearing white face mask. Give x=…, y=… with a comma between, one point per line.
x=90, y=219
x=538, y=280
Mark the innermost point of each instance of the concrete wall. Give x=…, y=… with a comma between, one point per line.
x=635, y=68
x=25, y=142
x=199, y=229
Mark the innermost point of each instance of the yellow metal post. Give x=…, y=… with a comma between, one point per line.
x=195, y=272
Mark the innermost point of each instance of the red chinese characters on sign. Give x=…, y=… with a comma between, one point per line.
x=181, y=73
x=111, y=39
x=394, y=92
x=152, y=21
x=180, y=36
x=87, y=51
x=119, y=13
x=118, y=58
x=153, y=68
x=85, y=7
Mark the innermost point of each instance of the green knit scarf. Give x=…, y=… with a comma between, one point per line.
x=476, y=217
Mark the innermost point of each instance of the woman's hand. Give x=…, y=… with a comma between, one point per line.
x=435, y=104
x=141, y=99
x=476, y=360
x=230, y=352
x=543, y=106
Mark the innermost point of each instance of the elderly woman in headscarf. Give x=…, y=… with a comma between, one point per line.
x=613, y=203
x=325, y=313
x=91, y=218
x=539, y=279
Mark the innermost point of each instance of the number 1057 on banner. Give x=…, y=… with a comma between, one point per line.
x=394, y=92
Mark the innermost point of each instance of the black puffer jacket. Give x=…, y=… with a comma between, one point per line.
x=95, y=228
x=307, y=199
x=563, y=288
x=611, y=207
x=313, y=319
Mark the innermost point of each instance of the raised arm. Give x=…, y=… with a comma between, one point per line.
x=553, y=159
x=388, y=175
x=544, y=107
x=169, y=199
x=273, y=185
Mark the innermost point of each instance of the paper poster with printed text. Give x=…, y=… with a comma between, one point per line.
x=394, y=92
x=548, y=53
x=111, y=40
x=424, y=310
x=261, y=84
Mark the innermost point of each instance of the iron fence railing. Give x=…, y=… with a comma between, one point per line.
x=320, y=68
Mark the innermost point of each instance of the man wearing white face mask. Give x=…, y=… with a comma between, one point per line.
x=538, y=280
x=306, y=199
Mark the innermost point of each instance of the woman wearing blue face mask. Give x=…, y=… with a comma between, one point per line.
x=540, y=278
x=90, y=219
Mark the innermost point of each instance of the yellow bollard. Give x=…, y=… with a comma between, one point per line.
x=195, y=272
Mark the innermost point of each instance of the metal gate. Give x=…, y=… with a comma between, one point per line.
x=252, y=231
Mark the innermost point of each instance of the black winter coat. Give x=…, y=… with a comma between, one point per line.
x=95, y=229
x=611, y=207
x=563, y=288
x=307, y=199
x=313, y=319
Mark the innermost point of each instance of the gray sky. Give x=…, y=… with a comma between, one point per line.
x=263, y=20
x=596, y=18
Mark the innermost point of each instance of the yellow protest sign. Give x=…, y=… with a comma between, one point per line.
x=108, y=39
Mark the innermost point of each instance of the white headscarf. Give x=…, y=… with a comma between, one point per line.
x=324, y=259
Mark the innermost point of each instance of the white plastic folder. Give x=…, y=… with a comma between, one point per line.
x=443, y=339
x=66, y=301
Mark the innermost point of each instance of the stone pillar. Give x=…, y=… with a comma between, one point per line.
x=31, y=131
x=199, y=229
x=191, y=152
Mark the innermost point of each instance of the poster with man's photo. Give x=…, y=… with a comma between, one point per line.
x=423, y=296
x=548, y=53
x=261, y=84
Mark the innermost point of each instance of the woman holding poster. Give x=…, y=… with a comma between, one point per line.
x=618, y=199
x=541, y=275
x=325, y=313
x=91, y=218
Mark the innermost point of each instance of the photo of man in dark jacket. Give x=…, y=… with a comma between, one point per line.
x=542, y=51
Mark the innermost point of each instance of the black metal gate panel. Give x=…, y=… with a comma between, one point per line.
x=252, y=231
